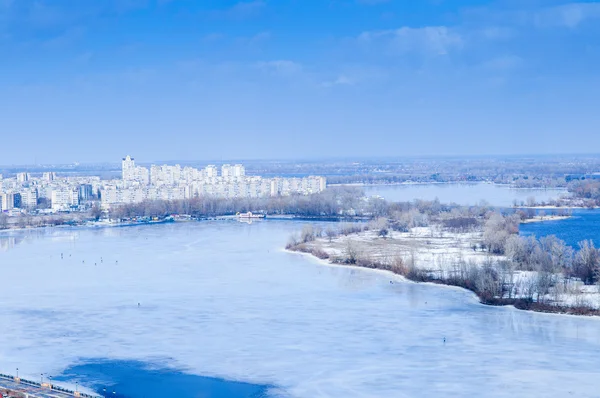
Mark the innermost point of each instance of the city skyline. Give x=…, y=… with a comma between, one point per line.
x=84, y=81
x=39, y=191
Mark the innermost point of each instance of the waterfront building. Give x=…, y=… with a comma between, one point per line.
x=128, y=168
x=8, y=201
x=29, y=198
x=63, y=199
x=17, y=201
x=86, y=192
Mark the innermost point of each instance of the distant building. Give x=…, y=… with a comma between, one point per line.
x=8, y=201
x=63, y=199
x=49, y=176
x=210, y=171
x=226, y=171
x=132, y=174
x=128, y=168
x=29, y=198
x=176, y=183
x=23, y=177
x=86, y=192
x=239, y=170
x=17, y=202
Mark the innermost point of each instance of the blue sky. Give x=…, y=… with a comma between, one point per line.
x=90, y=81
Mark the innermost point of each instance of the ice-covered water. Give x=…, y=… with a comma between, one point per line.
x=221, y=299
x=463, y=194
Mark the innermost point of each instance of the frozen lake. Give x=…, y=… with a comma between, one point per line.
x=222, y=300
x=463, y=194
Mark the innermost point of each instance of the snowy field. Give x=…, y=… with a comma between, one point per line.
x=441, y=252
x=222, y=299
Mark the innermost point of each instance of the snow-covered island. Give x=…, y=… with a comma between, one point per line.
x=482, y=253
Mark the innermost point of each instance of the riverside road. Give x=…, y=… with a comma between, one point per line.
x=31, y=391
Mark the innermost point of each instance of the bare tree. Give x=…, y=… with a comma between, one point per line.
x=351, y=252
x=331, y=233
x=587, y=262
x=307, y=234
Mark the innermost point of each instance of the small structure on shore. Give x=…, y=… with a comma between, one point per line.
x=249, y=215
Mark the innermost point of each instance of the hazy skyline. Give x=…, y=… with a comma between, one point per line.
x=189, y=80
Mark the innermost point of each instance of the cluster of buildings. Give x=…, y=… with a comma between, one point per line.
x=166, y=182
x=51, y=193
x=47, y=192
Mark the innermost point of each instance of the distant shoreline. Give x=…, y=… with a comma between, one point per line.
x=363, y=184
x=538, y=219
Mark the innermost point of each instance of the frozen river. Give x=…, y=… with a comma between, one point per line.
x=222, y=300
x=463, y=194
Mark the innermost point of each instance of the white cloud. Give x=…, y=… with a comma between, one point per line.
x=254, y=41
x=568, y=15
x=506, y=62
x=341, y=80
x=431, y=40
x=280, y=67
x=497, y=32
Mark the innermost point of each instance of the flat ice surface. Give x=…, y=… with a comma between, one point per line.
x=222, y=299
x=463, y=194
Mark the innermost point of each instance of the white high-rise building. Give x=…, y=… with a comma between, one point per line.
x=128, y=168
x=62, y=199
x=131, y=173
x=210, y=171
x=239, y=170
x=29, y=198
x=23, y=177
x=8, y=201
x=226, y=171
x=49, y=176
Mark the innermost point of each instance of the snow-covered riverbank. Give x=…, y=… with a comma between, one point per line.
x=436, y=255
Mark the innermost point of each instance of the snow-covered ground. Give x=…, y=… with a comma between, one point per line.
x=429, y=248
x=439, y=251
x=222, y=299
x=544, y=219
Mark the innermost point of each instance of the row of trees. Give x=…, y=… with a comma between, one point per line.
x=333, y=202
x=546, y=255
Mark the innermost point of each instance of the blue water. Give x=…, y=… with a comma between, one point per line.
x=585, y=224
x=133, y=379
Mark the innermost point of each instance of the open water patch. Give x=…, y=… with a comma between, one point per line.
x=134, y=379
x=583, y=225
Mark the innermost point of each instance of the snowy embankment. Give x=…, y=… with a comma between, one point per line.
x=544, y=219
x=457, y=258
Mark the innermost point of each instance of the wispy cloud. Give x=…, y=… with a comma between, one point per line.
x=341, y=80
x=241, y=10
x=67, y=38
x=283, y=68
x=503, y=63
x=254, y=40
x=430, y=40
x=567, y=15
